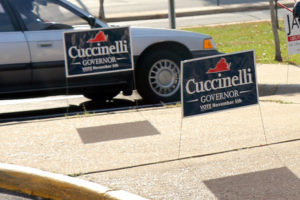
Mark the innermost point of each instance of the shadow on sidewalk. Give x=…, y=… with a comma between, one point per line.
x=278, y=183
x=276, y=89
x=117, y=132
x=88, y=107
x=92, y=107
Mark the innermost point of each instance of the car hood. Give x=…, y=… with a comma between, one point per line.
x=143, y=37
x=161, y=32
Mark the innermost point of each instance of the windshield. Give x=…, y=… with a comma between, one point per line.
x=42, y=14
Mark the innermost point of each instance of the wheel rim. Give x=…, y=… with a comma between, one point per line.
x=164, y=78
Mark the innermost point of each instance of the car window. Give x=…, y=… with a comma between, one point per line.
x=46, y=15
x=6, y=24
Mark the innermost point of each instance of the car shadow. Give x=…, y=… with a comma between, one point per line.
x=84, y=108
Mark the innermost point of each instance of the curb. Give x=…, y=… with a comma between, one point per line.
x=43, y=184
x=191, y=12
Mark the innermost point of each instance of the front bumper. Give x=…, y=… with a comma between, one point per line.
x=205, y=53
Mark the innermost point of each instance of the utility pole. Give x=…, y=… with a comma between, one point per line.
x=172, y=14
x=101, y=14
x=276, y=13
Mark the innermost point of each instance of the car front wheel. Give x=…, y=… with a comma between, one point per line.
x=158, y=77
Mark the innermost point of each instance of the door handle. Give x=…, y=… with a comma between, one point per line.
x=45, y=45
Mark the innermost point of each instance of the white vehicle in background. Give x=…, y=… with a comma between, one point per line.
x=32, y=54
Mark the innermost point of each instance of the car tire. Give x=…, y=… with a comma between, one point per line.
x=101, y=96
x=158, y=77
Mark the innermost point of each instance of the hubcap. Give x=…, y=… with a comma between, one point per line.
x=164, y=78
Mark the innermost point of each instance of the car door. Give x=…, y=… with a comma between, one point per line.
x=15, y=72
x=44, y=33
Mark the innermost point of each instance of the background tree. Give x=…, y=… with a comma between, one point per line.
x=101, y=10
x=275, y=31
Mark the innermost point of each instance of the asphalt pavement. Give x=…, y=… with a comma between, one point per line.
x=205, y=20
x=131, y=10
x=11, y=195
x=247, y=153
x=123, y=10
x=189, y=13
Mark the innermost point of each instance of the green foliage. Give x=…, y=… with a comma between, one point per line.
x=248, y=36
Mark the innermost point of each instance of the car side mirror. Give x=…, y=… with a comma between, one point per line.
x=42, y=2
x=92, y=21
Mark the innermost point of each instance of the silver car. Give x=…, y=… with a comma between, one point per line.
x=32, y=54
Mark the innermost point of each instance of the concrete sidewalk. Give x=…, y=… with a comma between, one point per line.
x=260, y=173
x=253, y=171
x=157, y=155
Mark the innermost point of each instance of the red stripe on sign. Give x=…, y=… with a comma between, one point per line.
x=293, y=38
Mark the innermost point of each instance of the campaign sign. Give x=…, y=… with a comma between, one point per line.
x=217, y=83
x=292, y=30
x=98, y=51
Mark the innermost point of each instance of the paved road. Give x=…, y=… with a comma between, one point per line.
x=113, y=7
x=117, y=8
x=204, y=20
x=7, y=195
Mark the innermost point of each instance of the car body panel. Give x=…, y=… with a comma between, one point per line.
x=45, y=45
x=46, y=49
x=14, y=60
x=14, y=48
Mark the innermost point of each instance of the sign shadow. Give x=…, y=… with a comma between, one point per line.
x=278, y=183
x=275, y=89
x=117, y=132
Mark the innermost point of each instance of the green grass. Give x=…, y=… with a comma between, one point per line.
x=248, y=36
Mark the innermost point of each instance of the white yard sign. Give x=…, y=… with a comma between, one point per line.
x=292, y=30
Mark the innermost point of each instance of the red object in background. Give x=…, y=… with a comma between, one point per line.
x=283, y=6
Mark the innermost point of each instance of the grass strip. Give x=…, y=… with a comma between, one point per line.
x=247, y=36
